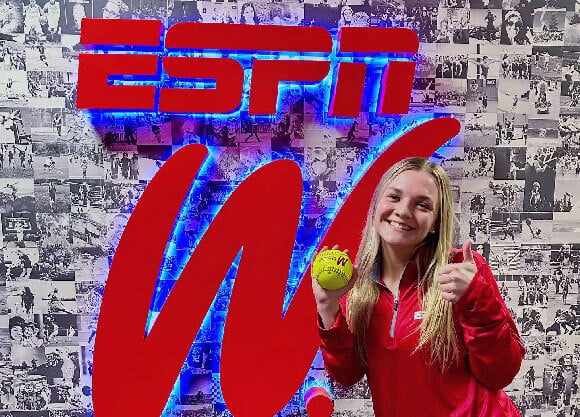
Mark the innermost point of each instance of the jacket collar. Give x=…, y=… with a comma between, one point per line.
x=415, y=262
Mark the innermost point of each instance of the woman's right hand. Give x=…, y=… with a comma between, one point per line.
x=327, y=301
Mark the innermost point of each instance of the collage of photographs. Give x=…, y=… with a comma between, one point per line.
x=508, y=70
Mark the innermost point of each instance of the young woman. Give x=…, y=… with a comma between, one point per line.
x=424, y=322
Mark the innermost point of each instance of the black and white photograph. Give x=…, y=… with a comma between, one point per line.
x=51, y=160
x=540, y=178
x=544, y=97
x=15, y=125
x=484, y=62
x=482, y=96
x=451, y=66
x=566, y=198
x=484, y=26
x=85, y=161
x=516, y=64
x=513, y=96
x=423, y=95
x=515, y=29
x=16, y=160
x=480, y=129
x=21, y=264
x=570, y=97
x=511, y=129
x=568, y=128
x=421, y=18
x=549, y=27
x=546, y=62
x=13, y=88
x=506, y=196
x=479, y=162
x=86, y=195
x=452, y=25
x=542, y=132
x=504, y=259
x=49, y=88
x=52, y=196
x=75, y=12
x=38, y=56
x=450, y=95
x=509, y=163
x=345, y=14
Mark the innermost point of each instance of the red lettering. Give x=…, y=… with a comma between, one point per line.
x=95, y=70
x=95, y=92
x=370, y=40
x=93, y=88
x=396, y=88
x=348, y=90
x=397, y=81
x=225, y=98
x=267, y=74
x=238, y=37
x=128, y=364
x=120, y=32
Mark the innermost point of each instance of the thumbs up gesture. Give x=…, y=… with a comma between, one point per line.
x=455, y=278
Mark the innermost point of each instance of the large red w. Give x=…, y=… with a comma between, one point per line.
x=128, y=365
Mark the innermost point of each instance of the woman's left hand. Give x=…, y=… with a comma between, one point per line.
x=455, y=278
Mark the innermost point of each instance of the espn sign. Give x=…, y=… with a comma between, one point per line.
x=116, y=41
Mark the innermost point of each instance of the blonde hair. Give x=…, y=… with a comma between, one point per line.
x=437, y=328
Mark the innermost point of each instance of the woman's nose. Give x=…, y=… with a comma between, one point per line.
x=403, y=209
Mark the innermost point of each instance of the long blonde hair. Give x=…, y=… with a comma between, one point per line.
x=437, y=329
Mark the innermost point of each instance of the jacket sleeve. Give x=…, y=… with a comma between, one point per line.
x=494, y=345
x=337, y=345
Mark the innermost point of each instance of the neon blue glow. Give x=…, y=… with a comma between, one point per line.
x=182, y=243
x=167, y=280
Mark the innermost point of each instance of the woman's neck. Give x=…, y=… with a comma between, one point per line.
x=393, y=265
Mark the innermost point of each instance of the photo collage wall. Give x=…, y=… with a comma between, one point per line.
x=508, y=70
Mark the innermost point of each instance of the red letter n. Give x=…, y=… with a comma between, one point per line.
x=397, y=82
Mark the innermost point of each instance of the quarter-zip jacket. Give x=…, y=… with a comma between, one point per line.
x=402, y=383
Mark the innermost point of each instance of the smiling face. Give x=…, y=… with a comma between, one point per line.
x=407, y=210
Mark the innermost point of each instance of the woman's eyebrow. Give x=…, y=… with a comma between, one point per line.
x=421, y=197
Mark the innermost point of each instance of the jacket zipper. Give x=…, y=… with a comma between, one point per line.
x=394, y=319
x=396, y=305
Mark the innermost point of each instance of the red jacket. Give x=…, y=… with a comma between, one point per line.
x=403, y=384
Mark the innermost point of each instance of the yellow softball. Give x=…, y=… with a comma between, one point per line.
x=332, y=269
